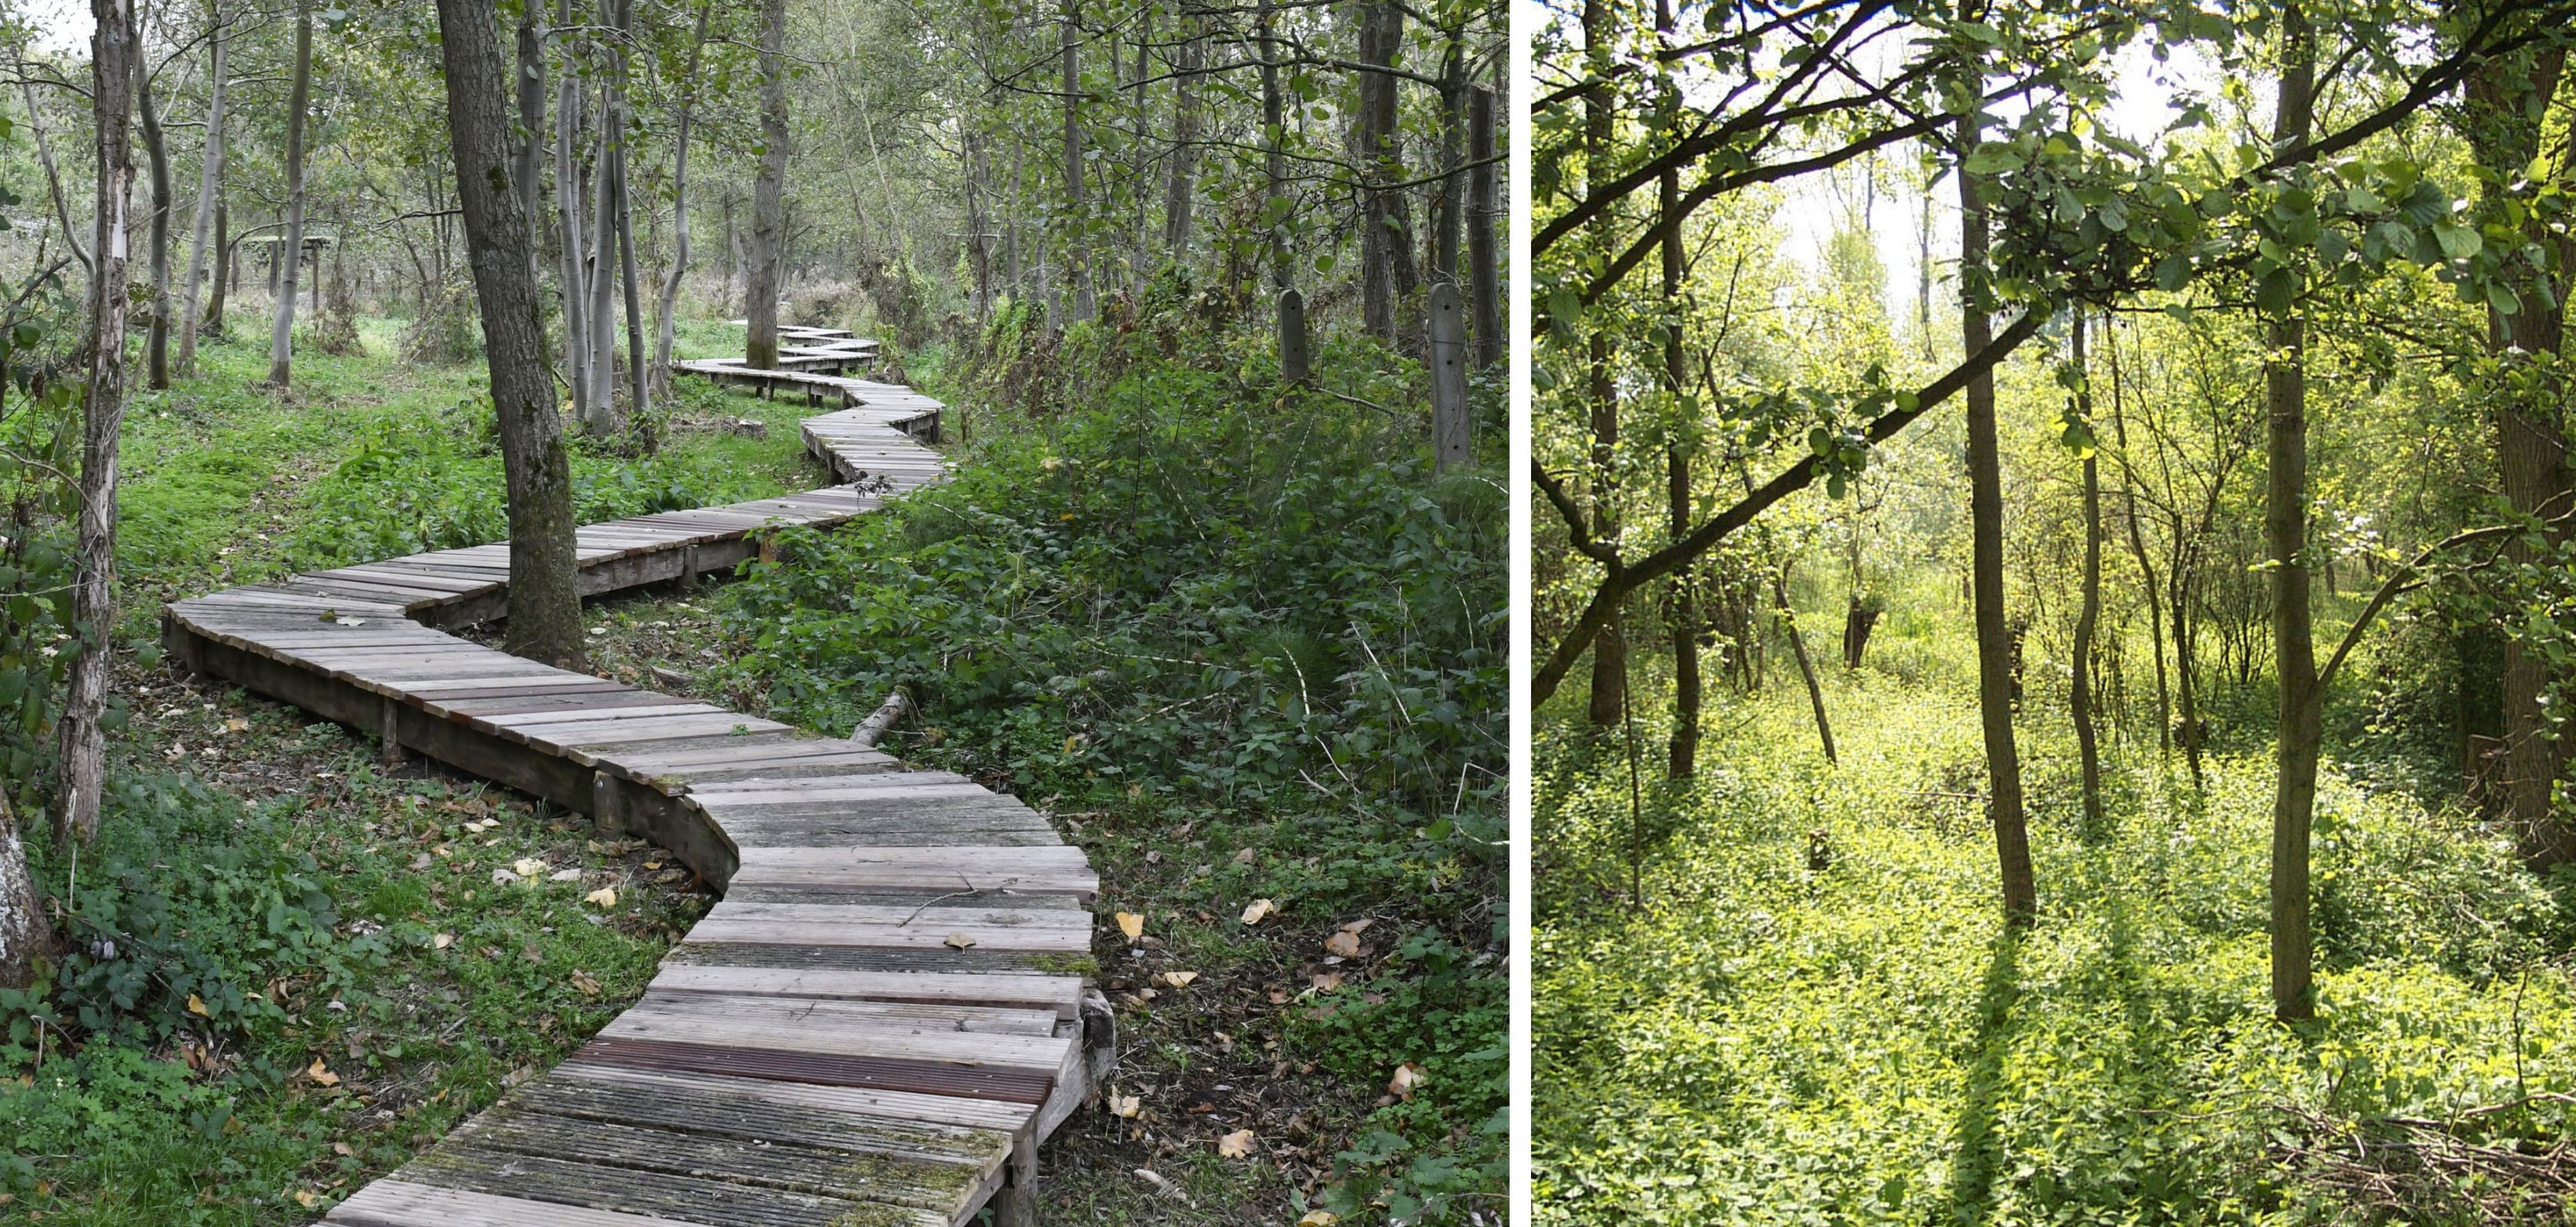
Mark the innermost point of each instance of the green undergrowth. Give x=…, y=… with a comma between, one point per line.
x=1249, y=647
x=1780, y=993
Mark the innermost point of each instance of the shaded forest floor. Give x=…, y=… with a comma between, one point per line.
x=1757, y=1040
x=315, y=972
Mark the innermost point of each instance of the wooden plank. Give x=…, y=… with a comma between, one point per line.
x=991, y=929
x=805, y=1019
x=988, y=1114
x=1013, y=1069
x=1059, y=995
x=917, y=1181
x=1057, y=869
x=690, y=1199
x=403, y=1203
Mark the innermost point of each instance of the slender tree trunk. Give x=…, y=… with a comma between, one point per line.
x=54, y=179
x=979, y=219
x=1077, y=262
x=1609, y=651
x=156, y=343
x=1788, y=618
x=568, y=222
x=528, y=160
x=281, y=332
x=2147, y=585
x=666, y=321
x=1484, y=268
x=639, y=394
x=1273, y=154
x=1181, y=192
x=1682, y=756
x=1382, y=245
x=1449, y=196
x=81, y=742
x=545, y=593
x=2285, y=531
x=210, y=186
x=1986, y=533
x=25, y=932
x=225, y=264
x=768, y=203
x=601, y=261
x=2087, y=746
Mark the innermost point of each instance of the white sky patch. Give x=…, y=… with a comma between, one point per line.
x=59, y=26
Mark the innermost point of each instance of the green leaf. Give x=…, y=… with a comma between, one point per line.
x=2458, y=242
x=2278, y=289
x=2173, y=272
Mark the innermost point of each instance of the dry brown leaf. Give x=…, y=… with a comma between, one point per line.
x=236, y=725
x=604, y=897
x=1255, y=910
x=1319, y=1218
x=442, y=941
x=197, y=1006
x=306, y=1199
x=1126, y=1105
x=1244, y=857
x=588, y=984
x=341, y=1148
x=1178, y=979
x=321, y=1074
x=959, y=941
x=1344, y=943
x=1326, y=981
x=528, y=867
x=1235, y=1145
x=1132, y=924
x=1407, y=1076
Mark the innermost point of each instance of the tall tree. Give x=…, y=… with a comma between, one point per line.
x=1182, y=189
x=1681, y=758
x=1385, y=241
x=545, y=593
x=25, y=931
x=1484, y=268
x=290, y=250
x=156, y=344
x=2285, y=534
x=1609, y=700
x=81, y=741
x=666, y=320
x=1986, y=547
x=2089, y=620
x=768, y=204
x=1077, y=262
x=210, y=186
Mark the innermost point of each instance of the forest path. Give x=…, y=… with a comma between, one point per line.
x=884, y=1015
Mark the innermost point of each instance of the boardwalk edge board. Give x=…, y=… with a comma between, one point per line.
x=886, y=1022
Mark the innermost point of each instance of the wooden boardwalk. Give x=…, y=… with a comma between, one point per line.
x=887, y=1011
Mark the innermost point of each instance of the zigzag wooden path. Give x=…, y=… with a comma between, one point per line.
x=884, y=1015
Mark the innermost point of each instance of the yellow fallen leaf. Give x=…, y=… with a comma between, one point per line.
x=1255, y=910
x=1126, y=1105
x=1178, y=979
x=236, y=725
x=1132, y=924
x=1407, y=1076
x=1319, y=1218
x=342, y=1149
x=197, y=1006
x=321, y=1074
x=959, y=941
x=442, y=941
x=585, y=982
x=306, y=1199
x=1235, y=1145
x=528, y=867
x=604, y=897
x=1346, y=945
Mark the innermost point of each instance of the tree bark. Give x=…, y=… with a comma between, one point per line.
x=1449, y=196
x=1484, y=268
x=2505, y=101
x=2147, y=585
x=281, y=332
x=1610, y=651
x=156, y=343
x=768, y=203
x=2087, y=745
x=2285, y=531
x=1273, y=154
x=604, y=418
x=224, y=265
x=1181, y=192
x=1681, y=759
x=25, y=932
x=639, y=395
x=526, y=166
x=1788, y=619
x=1076, y=262
x=568, y=223
x=81, y=742
x=54, y=178
x=665, y=324
x=1383, y=244
x=545, y=594
x=1986, y=534
x=210, y=186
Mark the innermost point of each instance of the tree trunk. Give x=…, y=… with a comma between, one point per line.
x=2087, y=745
x=1986, y=533
x=1788, y=618
x=1484, y=269
x=281, y=332
x=1181, y=192
x=1610, y=651
x=604, y=419
x=2506, y=99
x=664, y=323
x=54, y=178
x=979, y=219
x=210, y=186
x=2138, y=550
x=768, y=204
x=1273, y=154
x=568, y=223
x=1382, y=245
x=81, y=743
x=1076, y=262
x=1449, y=195
x=225, y=264
x=639, y=395
x=2285, y=531
x=1681, y=759
x=156, y=344
x=25, y=933
x=545, y=593
x=526, y=164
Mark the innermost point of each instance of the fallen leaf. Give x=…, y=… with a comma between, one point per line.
x=1319, y=1218
x=1126, y=1105
x=236, y=725
x=585, y=982
x=564, y=875
x=1154, y=1178
x=1132, y=924
x=1407, y=1076
x=1327, y=981
x=1244, y=857
x=341, y=1148
x=442, y=941
x=652, y=864
x=197, y=1006
x=528, y=867
x=959, y=941
x=306, y=1199
x=1235, y=1145
x=1345, y=944
x=1359, y=926
x=1178, y=979
x=605, y=897
x=1255, y=910
x=321, y=1074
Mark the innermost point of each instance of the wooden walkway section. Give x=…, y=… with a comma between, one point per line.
x=883, y=1016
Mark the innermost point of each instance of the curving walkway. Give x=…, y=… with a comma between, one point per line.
x=887, y=1011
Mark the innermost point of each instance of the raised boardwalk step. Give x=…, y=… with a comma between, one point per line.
x=875, y=1027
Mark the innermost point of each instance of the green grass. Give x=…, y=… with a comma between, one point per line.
x=259, y=861
x=1758, y=1042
